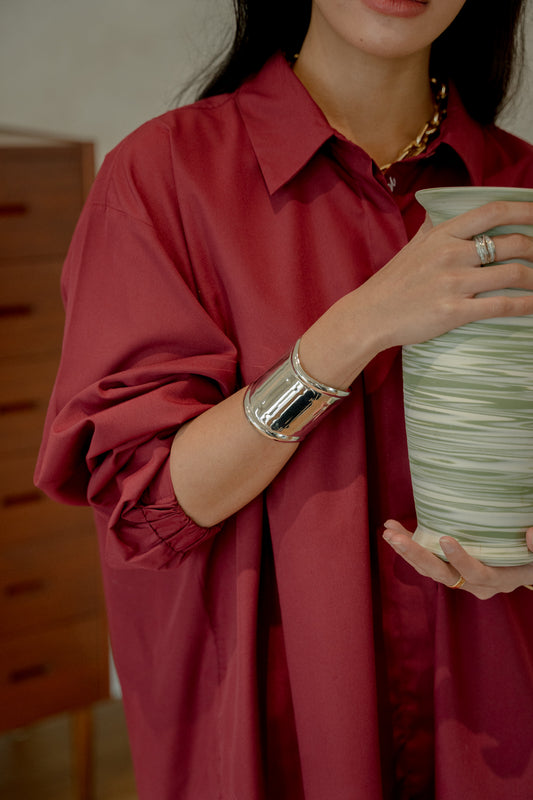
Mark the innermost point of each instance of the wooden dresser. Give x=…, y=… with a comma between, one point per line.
x=53, y=637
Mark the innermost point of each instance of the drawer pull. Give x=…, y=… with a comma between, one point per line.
x=16, y=310
x=28, y=673
x=13, y=209
x=17, y=407
x=24, y=587
x=22, y=498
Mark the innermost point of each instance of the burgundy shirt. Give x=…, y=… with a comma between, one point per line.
x=286, y=653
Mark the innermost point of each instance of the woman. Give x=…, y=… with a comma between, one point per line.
x=269, y=641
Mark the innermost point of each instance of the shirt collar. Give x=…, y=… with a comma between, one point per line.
x=287, y=128
x=284, y=124
x=467, y=137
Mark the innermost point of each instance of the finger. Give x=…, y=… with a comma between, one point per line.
x=472, y=570
x=508, y=247
x=490, y=215
x=420, y=558
x=496, y=277
x=394, y=526
x=427, y=225
x=529, y=539
x=482, y=580
x=494, y=306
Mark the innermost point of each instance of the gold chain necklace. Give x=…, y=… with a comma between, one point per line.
x=430, y=129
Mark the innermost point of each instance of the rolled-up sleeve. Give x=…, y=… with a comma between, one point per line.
x=141, y=356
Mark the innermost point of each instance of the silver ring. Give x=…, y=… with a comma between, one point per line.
x=486, y=249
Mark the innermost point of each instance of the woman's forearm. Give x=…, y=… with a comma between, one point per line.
x=219, y=462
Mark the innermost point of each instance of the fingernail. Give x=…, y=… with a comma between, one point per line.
x=448, y=545
x=399, y=546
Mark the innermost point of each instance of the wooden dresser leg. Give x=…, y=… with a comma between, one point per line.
x=82, y=753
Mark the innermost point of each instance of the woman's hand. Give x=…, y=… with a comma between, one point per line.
x=430, y=286
x=480, y=580
x=427, y=289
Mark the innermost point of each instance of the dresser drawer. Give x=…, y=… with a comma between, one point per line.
x=48, y=579
x=25, y=387
x=24, y=508
x=36, y=512
x=21, y=424
x=41, y=196
x=31, y=334
x=31, y=312
x=52, y=671
x=33, y=286
x=16, y=482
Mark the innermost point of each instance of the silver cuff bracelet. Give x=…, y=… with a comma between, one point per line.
x=285, y=403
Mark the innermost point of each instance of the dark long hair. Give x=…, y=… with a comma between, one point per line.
x=481, y=52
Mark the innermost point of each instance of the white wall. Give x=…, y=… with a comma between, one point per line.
x=96, y=69
x=519, y=117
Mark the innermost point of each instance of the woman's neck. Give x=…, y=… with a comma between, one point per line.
x=378, y=104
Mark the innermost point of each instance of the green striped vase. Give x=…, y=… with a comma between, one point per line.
x=469, y=417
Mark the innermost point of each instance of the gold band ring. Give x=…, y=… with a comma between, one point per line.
x=458, y=583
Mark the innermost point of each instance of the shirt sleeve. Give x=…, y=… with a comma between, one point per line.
x=140, y=357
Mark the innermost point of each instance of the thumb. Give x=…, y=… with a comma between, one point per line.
x=427, y=225
x=529, y=538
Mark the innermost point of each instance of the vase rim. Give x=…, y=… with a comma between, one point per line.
x=475, y=190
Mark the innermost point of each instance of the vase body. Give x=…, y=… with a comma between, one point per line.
x=468, y=398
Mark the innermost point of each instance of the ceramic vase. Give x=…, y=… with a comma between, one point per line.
x=469, y=417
